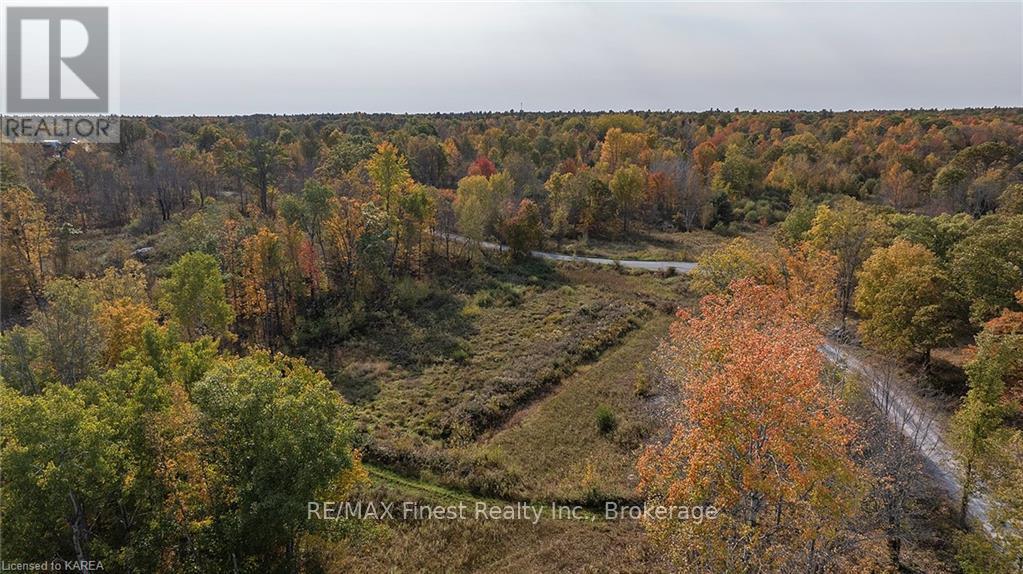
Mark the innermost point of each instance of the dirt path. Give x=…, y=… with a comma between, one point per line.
x=918, y=426
x=679, y=266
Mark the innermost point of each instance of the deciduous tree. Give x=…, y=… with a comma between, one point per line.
x=121, y=323
x=25, y=244
x=628, y=185
x=759, y=437
x=67, y=323
x=900, y=297
x=738, y=259
x=523, y=231
x=264, y=158
x=390, y=173
x=849, y=232
x=280, y=437
x=987, y=265
x=193, y=297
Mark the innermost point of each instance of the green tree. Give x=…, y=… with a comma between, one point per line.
x=264, y=158
x=1010, y=202
x=977, y=426
x=739, y=175
x=416, y=209
x=193, y=297
x=628, y=185
x=987, y=266
x=389, y=171
x=83, y=473
x=314, y=208
x=478, y=202
x=97, y=475
x=280, y=437
x=60, y=466
x=21, y=349
x=796, y=225
x=344, y=155
x=71, y=339
x=939, y=234
x=900, y=297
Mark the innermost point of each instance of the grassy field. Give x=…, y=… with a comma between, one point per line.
x=440, y=387
x=654, y=245
x=556, y=446
x=587, y=544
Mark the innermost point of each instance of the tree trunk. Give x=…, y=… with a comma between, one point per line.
x=964, y=503
x=79, y=532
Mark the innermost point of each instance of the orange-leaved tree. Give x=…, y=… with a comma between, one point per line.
x=758, y=435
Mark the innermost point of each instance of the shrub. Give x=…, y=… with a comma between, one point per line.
x=459, y=355
x=606, y=420
x=500, y=295
x=409, y=293
x=642, y=385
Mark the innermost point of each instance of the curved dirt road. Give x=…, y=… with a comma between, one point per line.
x=918, y=427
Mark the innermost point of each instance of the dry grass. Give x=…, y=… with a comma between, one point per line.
x=514, y=546
x=555, y=445
x=655, y=245
x=431, y=380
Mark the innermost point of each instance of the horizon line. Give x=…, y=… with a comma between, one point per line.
x=585, y=112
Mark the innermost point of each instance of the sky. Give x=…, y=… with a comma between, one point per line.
x=221, y=58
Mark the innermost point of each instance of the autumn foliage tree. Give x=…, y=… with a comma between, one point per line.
x=900, y=297
x=268, y=296
x=808, y=277
x=759, y=436
x=850, y=233
x=523, y=231
x=25, y=245
x=738, y=259
x=621, y=148
x=482, y=166
x=121, y=325
x=390, y=173
x=628, y=185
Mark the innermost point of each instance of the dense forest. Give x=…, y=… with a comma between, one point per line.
x=217, y=320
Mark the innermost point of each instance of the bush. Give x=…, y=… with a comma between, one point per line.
x=606, y=420
x=500, y=295
x=409, y=293
x=976, y=554
x=642, y=385
x=459, y=355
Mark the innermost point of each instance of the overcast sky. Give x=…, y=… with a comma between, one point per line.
x=208, y=58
